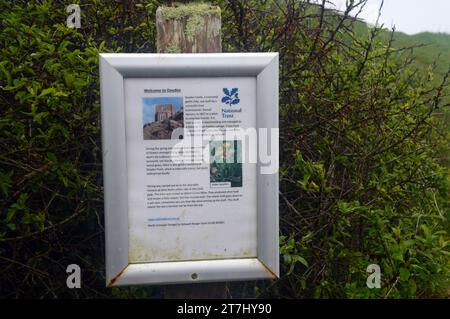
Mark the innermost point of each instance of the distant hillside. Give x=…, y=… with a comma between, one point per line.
x=436, y=43
x=435, y=48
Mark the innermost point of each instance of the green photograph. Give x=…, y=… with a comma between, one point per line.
x=225, y=162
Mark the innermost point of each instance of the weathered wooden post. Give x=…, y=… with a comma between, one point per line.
x=190, y=28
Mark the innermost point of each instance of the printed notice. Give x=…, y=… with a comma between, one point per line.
x=191, y=193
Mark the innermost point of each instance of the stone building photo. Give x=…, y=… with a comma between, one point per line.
x=164, y=111
x=162, y=118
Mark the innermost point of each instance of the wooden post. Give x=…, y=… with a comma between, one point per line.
x=190, y=28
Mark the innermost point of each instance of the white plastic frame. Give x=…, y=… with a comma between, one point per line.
x=113, y=69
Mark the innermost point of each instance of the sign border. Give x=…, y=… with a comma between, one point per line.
x=114, y=67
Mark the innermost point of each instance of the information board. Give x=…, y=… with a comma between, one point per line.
x=192, y=209
x=190, y=163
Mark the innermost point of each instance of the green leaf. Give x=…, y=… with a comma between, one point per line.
x=5, y=182
x=6, y=72
x=404, y=274
x=10, y=214
x=47, y=91
x=301, y=260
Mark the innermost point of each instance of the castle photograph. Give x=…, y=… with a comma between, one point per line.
x=162, y=118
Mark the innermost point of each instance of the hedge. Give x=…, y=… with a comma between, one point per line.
x=363, y=178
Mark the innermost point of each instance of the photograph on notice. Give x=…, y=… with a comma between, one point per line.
x=162, y=118
x=225, y=164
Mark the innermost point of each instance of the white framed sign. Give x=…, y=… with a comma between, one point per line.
x=190, y=163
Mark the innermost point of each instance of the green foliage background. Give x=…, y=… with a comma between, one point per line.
x=364, y=148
